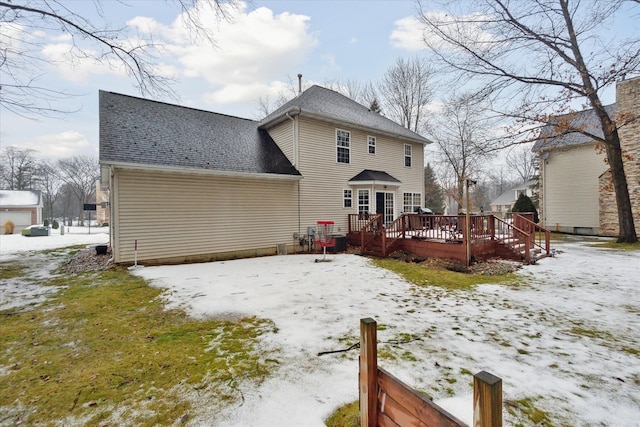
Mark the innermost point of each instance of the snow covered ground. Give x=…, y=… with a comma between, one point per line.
x=565, y=336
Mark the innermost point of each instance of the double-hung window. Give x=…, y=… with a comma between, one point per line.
x=346, y=198
x=407, y=155
x=411, y=202
x=343, y=146
x=371, y=144
x=363, y=201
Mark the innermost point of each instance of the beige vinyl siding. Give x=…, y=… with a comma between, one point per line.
x=325, y=179
x=571, y=188
x=282, y=134
x=176, y=215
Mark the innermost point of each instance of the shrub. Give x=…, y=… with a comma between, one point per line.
x=55, y=224
x=8, y=227
x=525, y=204
x=46, y=223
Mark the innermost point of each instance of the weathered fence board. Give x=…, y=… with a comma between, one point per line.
x=385, y=401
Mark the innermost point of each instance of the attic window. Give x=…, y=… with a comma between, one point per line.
x=371, y=143
x=343, y=146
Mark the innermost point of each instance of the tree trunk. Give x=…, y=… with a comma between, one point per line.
x=627, y=232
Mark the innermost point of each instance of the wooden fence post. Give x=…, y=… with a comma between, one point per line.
x=487, y=400
x=368, y=373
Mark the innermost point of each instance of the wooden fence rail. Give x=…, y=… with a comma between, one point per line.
x=385, y=401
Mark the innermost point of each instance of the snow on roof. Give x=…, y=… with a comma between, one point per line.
x=19, y=198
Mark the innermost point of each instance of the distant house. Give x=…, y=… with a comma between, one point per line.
x=576, y=192
x=187, y=184
x=23, y=208
x=102, y=203
x=504, y=202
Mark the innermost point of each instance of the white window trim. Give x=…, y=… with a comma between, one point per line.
x=410, y=156
x=413, y=201
x=366, y=190
x=374, y=145
x=345, y=198
x=340, y=146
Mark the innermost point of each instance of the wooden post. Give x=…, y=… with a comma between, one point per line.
x=487, y=400
x=368, y=373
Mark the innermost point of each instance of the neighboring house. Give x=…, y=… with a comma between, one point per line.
x=504, y=202
x=102, y=203
x=576, y=191
x=23, y=208
x=187, y=184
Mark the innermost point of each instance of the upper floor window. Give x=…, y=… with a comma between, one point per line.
x=371, y=144
x=347, y=198
x=407, y=155
x=343, y=146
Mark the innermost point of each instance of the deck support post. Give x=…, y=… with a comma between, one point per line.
x=368, y=373
x=487, y=400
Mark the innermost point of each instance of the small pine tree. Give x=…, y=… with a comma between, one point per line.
x=375, y=107
x=525, y=204
x=433, y=198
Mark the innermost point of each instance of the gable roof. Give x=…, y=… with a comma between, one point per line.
x=328, y=105
x=509, y=197
x=137, y=132
x=587, y=120
x=20, y=198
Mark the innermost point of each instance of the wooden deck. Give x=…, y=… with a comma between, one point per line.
x=443, y=236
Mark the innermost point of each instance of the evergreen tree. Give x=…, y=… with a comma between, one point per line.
x=433, y=197
x=375, y=107
x=525, y=204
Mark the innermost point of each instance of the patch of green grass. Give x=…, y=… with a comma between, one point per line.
x=105, y=343
x=11, y=270
x=526, y=407
x=422, y=275
x=345, y=416
x=591, y=333
x=612, y=244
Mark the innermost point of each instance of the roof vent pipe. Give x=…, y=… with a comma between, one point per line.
x=299, y=84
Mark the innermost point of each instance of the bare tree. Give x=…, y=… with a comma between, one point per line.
x=50, y=185
x=543, y=52
x=406, y=89
x=18, y=168
x=461, y=131
x=21, y=63
x=79, y=173
x=521, y=161
x=363, y=93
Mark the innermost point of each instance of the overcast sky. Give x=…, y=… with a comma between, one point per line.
x=258, y=52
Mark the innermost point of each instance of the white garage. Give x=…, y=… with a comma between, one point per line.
x=23, y=208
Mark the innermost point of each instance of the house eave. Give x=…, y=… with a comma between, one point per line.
x=374, y=182
x=297, y=111
x=199, y=171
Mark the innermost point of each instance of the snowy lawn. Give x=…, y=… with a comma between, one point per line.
x=564, y=337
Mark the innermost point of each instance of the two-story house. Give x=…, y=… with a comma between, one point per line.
x=576, y=190
x=187, y=184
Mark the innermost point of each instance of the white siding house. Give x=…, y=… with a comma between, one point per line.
x=187, y=184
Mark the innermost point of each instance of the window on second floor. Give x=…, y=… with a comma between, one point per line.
x=343, y=146
x=371, y=144
x=407, y=155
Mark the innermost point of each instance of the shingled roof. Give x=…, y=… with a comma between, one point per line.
x=328, y=105
x=586, y=120
x=141, y=132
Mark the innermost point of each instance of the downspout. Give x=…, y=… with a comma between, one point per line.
x=294, y=129
x=111, y=214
